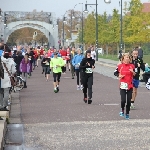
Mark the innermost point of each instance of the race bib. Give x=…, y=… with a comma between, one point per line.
x=123, y=85
x=89, y=70
x=55, y=67
x=47, y=63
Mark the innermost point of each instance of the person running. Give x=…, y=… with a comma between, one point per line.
x=93, y=53
x=35, y=58
x=68, y=58
x=30, y=57
x=126, y=74
x=41, y=53
x=76, y=63
x=73, y=53
x=63, y=53
x=87, y=65
x=56, y=63
x=25, y=68
x=138, y=63
x=46, y=66
x=58, y=54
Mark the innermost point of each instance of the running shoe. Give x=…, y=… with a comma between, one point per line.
x=127, y=117
x=89, y=101
x=55, y=90
x=85, y=100
x=81, y=88
x=132, y=106
x=121, y=114
x=78, y=87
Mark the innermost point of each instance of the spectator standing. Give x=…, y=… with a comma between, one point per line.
x=9, y=69
x=140, y=52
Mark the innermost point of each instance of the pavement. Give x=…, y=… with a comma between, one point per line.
x=63, y=121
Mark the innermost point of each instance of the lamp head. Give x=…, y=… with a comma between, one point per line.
x=107, y=1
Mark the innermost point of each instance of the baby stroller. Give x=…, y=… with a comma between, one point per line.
x=21, y=83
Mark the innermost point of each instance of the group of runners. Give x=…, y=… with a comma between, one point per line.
x=73, y=60
x=128, y=72
x=23, y=61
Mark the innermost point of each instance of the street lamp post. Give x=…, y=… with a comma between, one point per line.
x=96, y=26
x=121, y=41
x=106, y=1
x=63, y=30
x=82, y=36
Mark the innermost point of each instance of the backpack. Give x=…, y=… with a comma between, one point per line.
x=1, y=70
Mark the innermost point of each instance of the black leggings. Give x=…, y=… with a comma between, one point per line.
x=56, y=76
x=87, y=84
x=124, y=94
x=78, y=74
x=63, y=69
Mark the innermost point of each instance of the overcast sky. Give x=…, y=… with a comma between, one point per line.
x=57, y=6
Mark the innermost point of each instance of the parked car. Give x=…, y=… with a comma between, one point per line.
x=100, y=51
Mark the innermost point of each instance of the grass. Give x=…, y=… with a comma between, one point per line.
x=146, y=58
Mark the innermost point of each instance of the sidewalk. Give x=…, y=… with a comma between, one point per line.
x=108, y=61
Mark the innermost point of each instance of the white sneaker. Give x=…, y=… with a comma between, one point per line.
x=132, y=106
x=78, y=87
x=81, y=88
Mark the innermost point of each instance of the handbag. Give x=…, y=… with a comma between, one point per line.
x=13, y=83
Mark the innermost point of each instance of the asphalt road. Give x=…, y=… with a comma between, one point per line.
x=63, y=121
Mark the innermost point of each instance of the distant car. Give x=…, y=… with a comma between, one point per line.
x=100, y=51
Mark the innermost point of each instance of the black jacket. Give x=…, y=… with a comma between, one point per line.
x=43, y=60
x=137, y=69
x=85, y=67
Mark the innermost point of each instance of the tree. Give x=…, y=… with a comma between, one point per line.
x=115, y=27
x=89, y=29
x=72, y=18
x=25, y=35
x=133, y=22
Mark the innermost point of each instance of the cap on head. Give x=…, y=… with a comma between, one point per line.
x=88, y=51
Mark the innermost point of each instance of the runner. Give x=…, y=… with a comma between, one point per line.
x=73, y=53
x=50, y=52
x=138, y=64
x=25, y=68
x=55, y=50
x=41, y=53
x=87, y=65
x=93, y=53
x=63, y=53
x=56, y=63
x=76, y=63
x=68, y=58
x=126, y=73
x=46, y=66
x=35, y=58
